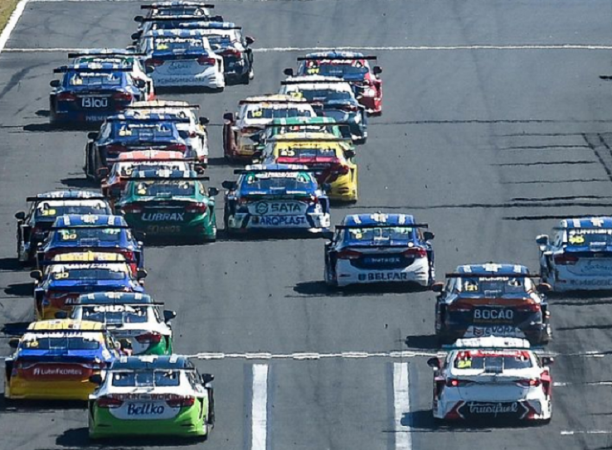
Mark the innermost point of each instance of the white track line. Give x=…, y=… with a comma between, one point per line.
x=573, y=432
x=10, y=25
x=305, y=356
x=401, y=405
x=259, y=407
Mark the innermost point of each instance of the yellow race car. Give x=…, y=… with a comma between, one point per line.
x=331, y=157
x=54, y=360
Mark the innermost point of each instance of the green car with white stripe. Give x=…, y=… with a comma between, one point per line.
x=151, y=396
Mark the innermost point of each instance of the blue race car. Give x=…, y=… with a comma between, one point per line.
x=331, y=97
x=33, y=225
x=379, y=249
x=133, y=130
x=275, y=198
x=491, y=299
x=90, y=92
x=96, y=233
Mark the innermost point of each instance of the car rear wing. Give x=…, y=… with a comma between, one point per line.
x=118, y=304
x=308, y=125
x=289, y=82
x=161, y=161
x=59, y=199
x=336, y=58
x=64, y=69
x=383, y=225
x=206, y=20
x=84, y=262
x=90, y=227
x=172, y=118
x=177, y=5
x=102, y=54
x=300, y=101
x=490, y=275
x=279, y=170
x=196, y=178
x=279, y=139
x=145, y=107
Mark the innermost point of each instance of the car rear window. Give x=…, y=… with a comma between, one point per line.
x=146, y=378
x=492, y=362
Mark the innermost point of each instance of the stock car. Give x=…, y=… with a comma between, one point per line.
x=89, y=92
x=579, y=254
x=194, y=131
x=149, y=396
x=492, y=300
x=379, y=248
x=69, y=275
x=241, y=131
x=33, y=225
x=130, y=317
x=124, y=133
x=336, y=97
x=492, y=378
x=96, y=233
x=172, y=204
x=54, y=360
x=332, y=159
x=350, y=66
x=275, y=198
x=176, y=9
x=182, y=59
x=113, y=184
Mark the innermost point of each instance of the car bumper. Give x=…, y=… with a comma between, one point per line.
x=466, y=410
x=204, y=80
x=309, y=223
x=417, y=272
x=50, y=390
x=566, y=281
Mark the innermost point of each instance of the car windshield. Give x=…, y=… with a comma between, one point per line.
x=181, y=11
x=496, y=286
x=218, y=42
x=94, y=79
x=143, y=131
x=325, y=95
x=379, y=234
x=588, y=237
x=115, y=314
x=51, y=209
x=308, y=152
x=335, y=68
x=286, y=180
x=277, y=113
x=492, y=362
x=126, y=169
x=90, y=274
x=146, y=378
x=177, y=44
x=60, y=342
x=169, y=187
x=111, y=235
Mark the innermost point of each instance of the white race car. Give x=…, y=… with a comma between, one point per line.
x=578, y=256
x=492, y=378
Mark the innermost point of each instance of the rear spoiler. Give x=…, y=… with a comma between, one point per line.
x=148, y=119
x=72, y=261
x=288, y=82
x=64, y=69
x=245, y=171
x=118, y=304
x=301, y=101
x=490, y=275
x=309, y=125
x=167, y=178
x=103, y=54
x=278, y=140
x=206, y=19
x=382, y=225
x=161, y=161
x=38, y=199
x=170, y=6
x=162, y=107
x=90, y=227
x=336, y=58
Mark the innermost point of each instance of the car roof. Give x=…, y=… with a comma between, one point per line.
x=151, y=362
x=82, y=258
x=274, y=98
x=318, y=120
x=65, y=325
x=92, y=220
x=378, y=218
x=153, y=155
x=492, y=342
x=493, y=269
x=148, y=116
x=106, y=66
x=335, y=54
x=114, y=298
x=68, y=194
x=165, y=174
x=586, y=222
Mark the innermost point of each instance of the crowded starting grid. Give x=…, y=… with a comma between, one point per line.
x=476, y=138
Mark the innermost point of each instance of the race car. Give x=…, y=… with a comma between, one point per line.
x=129, y=132
x=151, y=396
x=336, y=97
x=54, y=360
x=132, y=318
x=182, y=59
x=275, y=198
x=492, y=300
x=330, y=157
x=173, y=10
x=379, y=249
x=350, y=66
x=119, y=57
x=578, y=256
x=69, y=275
x=194, y=131
x=170, y=204
x=89, y=92
x=241, y=130
x=113, y=184
x=33, y=225
x=492, y=378
x=95, y=233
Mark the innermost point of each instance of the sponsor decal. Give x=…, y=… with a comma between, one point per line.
x=276, y=221
x=499, y=330
x=94, y=102
x=94, y=118
x=56, y=371
x=605, y=282
x=179, y=65
x=383, y=276
x=159, y=229
x=491, y=409
x=163, y=217
x=492, y=314
x=383, y=260
x=145, y=409
x=262, y=208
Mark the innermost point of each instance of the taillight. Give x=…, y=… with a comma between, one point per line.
x=454, y=382
x=342, y=170
x=178, y=401
x=149, y=338
x=565, y=259
x=349, y=254
x=132, y=209
x=349, y=108
x=206, y=61
x=66, y=97
x=459, y=307
x=529, y=307
x=122, y=97
x=153, y=62
x=109, y=401
x=177, y=147
x=416, y=252
x=232, y=52
x=532, y=382
x=197, y=208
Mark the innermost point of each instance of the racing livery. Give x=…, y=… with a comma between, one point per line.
x=379, y=248
x=275, y=198
x=54, y=359
x=578, y=256
x=492, y=378
x=152, y=395
x=170, y=204
x=33, y=225
x=492, y=300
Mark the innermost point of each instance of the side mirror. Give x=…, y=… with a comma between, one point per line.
x=434, y=363
x=93, y=135
x=95, y=379
x=207, y=378
x=55, y=83
x=437, y=287
x=36, y=274
x=102, y=172
x=61, y=315
x=229, y=117
x=20, y=215
x=428, y=235
x=349, y=153
x=169, y=315
x=542, y=240
x=141, y=274
x=288, y=71
x=213, y=191
x=13, y=343
x=139, y=19
x=249, y=40
x=377, y=70
x=547, y=360
x=543, y=288
x=204, y=120
x=229, y=185
x=136, y=36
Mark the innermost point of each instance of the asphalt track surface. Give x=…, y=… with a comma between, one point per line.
x=488, y=146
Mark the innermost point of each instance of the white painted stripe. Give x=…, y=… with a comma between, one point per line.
x=259, y=407
x=401, y=404
x=586, y=383
x=12, y=23
x=573, y=432
x=305, y=356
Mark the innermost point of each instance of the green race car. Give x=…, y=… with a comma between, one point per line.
x=151, y=396
x=169, y=204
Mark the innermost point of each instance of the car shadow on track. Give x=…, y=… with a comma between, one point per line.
x=422, y=342
x=79, y=438
x=320, y=288
x=20, y=289
x=14, y=328
x=39, y=406
x=10, y=265
x=78, y=182
x=43, y=113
